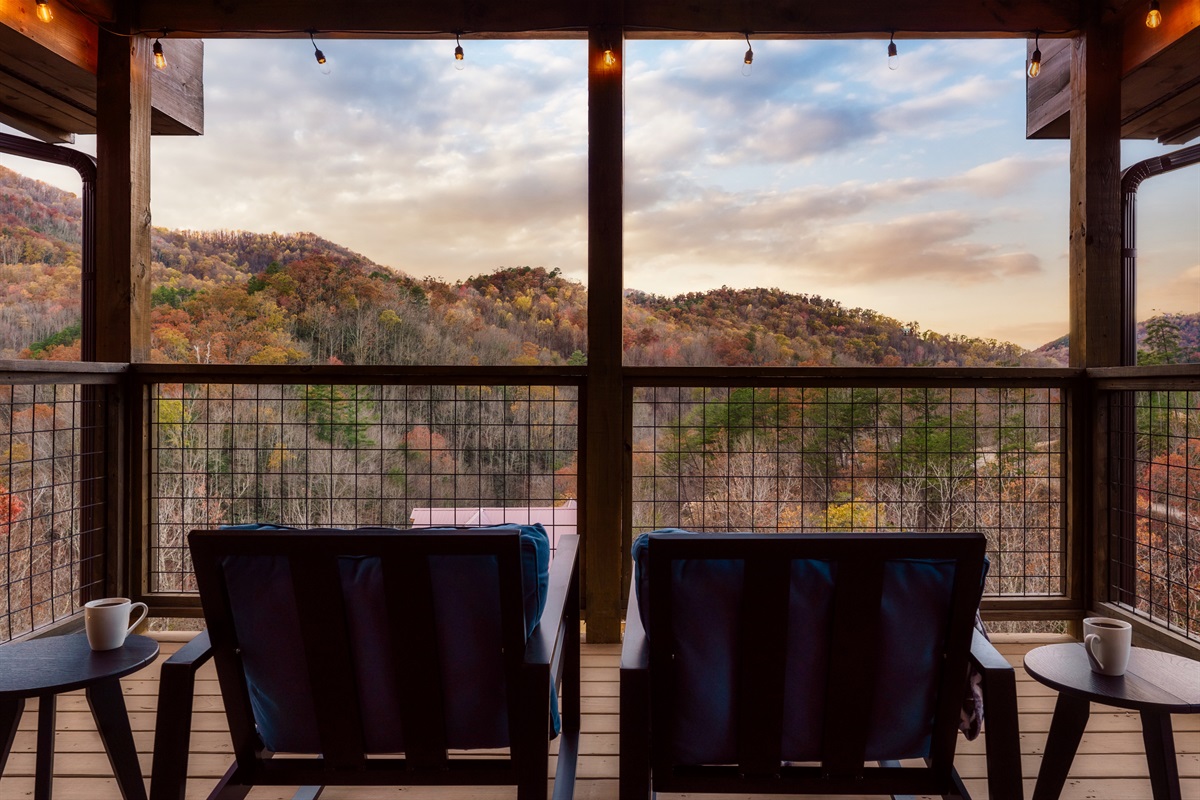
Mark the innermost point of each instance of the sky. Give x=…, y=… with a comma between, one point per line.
x=913, y=192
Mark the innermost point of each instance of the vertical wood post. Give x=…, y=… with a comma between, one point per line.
x=1096, y=288
x=605, y=456
x=122, y=293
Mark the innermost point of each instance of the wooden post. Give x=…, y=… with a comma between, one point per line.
x=1096, y=290
x=605, y=456
x=122, y=262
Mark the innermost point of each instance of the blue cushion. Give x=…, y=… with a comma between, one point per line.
x=708, y=593
x=466, y=607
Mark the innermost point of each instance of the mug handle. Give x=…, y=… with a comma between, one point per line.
x=1097, y=665
x=138, y=621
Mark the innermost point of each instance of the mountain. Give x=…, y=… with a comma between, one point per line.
x=240, y=297
x=1162, y=339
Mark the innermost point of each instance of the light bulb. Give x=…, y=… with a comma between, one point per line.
x=609, y=58
x=748, y=63
x=318, y=55
x=160, y=59
x=459, y=63
x=893, y=56
x=1035, y=64
x=1154, y=18
x=44, y=13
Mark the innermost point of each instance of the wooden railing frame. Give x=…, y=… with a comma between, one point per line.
x=128, y=385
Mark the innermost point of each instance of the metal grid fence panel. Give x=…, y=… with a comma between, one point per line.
x=874, y=459
x=1155, y=493
x=352, y=456
x=51, y=503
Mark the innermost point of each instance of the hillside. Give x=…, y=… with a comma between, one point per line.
x=240, y=297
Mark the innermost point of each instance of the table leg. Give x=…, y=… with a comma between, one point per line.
x=1066, y=729
x=108, y=709
x=11, y=709
x=43, y=773
x=1160, y=755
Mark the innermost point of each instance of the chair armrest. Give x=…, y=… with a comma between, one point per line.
x=544, y=641
x=1002, y=736
x=635, y=648
x=173, y=722
x=192, y=655
x=986, y=657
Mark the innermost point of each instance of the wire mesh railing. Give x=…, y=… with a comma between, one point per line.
x=830, y=458
x=355, y=455
x=1154, y=530
x=52, y=501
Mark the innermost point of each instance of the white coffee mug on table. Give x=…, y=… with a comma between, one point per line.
x=107, y=621
x=1107, y=642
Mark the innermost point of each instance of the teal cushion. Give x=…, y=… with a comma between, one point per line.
x=704, y=621
x=466, y=603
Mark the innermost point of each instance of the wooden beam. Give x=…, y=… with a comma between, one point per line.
x=1095, y=217
x=123, y=199
x=605, y=455
x=648, y=18
x=177, y=92
x=33, y=126
x=56, y=63
x=1096, y=289
x=1159, y=68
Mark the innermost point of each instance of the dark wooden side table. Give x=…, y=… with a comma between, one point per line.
x=1155, y=684
x=44, y=668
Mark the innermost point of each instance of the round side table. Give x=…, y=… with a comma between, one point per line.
x=1155, y=684
x=44, y=668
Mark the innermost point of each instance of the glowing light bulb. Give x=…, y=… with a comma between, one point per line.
x=44, y=12
x=609, y=58
x=322, y=62
x=1035, y=64
x=893, y=56
x=459, y=63
x=1154, y=17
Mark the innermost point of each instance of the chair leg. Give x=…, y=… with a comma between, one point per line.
x=10, y=719
x=225, y=790
x=1002, y=736
x=634, y=736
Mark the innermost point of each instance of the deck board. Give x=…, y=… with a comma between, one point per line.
x=1111, y=761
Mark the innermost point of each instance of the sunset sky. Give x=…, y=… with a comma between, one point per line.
x=913, y=192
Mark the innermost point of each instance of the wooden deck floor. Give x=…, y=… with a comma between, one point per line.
x=1110, y=765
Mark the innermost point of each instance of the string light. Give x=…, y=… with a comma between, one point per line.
x=893, y=53
x=1154, y=17
x=1035, y=61
x=748, y=61
x=160, y=58
x=458, y=54
x=44, y=12
x=608, y=58
x=318, y=55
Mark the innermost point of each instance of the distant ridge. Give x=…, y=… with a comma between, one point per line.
x=270, y=298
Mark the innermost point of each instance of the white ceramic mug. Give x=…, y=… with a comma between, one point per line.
x=1107, y=642
x=107, y=621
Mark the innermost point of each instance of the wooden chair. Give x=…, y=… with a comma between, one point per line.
x=332, y=646
x=783, y=664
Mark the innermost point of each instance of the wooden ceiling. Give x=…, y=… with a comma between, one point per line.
x=48, y=71
x=1160, y=84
